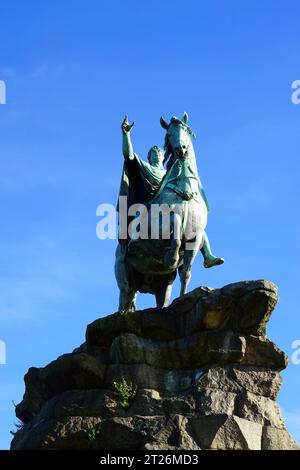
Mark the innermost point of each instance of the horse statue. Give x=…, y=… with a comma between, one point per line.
x=167, y=216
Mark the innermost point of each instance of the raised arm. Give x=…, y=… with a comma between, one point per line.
x=126, y=140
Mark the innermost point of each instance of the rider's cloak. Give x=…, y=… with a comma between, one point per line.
x=139, y=182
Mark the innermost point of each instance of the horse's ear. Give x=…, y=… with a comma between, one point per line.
x=185, y=117
x=163, y=123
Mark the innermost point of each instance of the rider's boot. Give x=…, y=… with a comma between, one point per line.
x=209, y=259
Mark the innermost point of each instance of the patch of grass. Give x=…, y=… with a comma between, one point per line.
x=92, y=433
x=126, y=391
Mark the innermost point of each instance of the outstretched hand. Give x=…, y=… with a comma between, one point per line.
x=126, y=127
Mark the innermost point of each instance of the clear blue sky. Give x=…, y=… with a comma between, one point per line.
x=72, y=70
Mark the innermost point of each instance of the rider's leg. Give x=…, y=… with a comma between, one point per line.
x=209, y=259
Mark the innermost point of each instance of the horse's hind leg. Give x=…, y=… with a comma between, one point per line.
x=127, y=291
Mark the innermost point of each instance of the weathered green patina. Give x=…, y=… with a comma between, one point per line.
x=150, y=264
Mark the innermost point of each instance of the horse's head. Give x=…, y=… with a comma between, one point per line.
x=178, y=137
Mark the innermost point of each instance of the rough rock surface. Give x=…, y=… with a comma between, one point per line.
x=206, y=376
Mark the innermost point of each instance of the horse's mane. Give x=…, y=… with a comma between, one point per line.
x=183, y=124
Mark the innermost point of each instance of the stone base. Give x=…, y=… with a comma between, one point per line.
x=207, y=419
x=206, y=377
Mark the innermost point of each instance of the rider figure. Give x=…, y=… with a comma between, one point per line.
x=147, y=177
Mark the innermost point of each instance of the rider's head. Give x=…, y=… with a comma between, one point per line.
x=156, y=155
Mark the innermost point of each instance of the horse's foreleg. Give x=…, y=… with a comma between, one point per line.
x=163, y=295
x=127, y=300
x=171, y=258
x=186, y=268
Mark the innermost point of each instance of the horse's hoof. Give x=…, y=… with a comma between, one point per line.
x=123, y=311
x=213, y=262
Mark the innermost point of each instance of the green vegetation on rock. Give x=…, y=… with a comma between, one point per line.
x=127, y=392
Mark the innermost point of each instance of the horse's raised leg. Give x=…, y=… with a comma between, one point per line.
x=186, y=268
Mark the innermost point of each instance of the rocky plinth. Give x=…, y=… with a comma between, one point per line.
x=205, y=375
